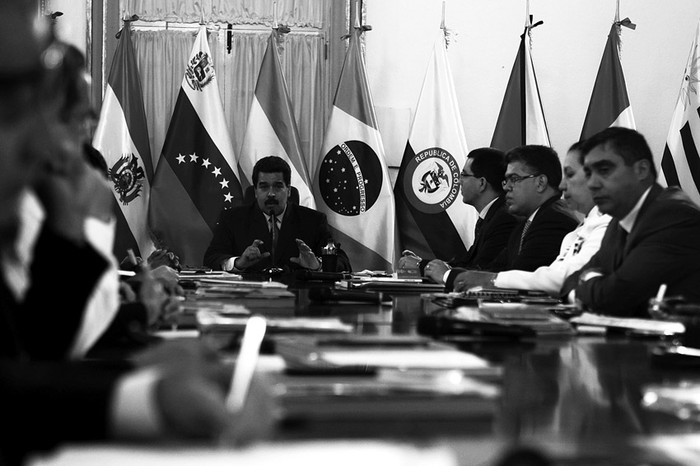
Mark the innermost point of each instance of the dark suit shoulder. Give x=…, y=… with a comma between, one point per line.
x=559, y=207
x=306, y=212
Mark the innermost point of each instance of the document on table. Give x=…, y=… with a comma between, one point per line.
x=660, y=327
x=411, y=358
x=337, y=453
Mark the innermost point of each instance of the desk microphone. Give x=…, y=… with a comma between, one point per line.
x=332, y=295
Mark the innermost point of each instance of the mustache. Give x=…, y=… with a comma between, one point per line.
x=271, y=202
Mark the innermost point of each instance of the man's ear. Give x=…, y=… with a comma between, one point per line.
x=642, y=168
x=542, y=183
x=483, y=184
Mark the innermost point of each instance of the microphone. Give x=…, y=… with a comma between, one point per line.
x=332, y=295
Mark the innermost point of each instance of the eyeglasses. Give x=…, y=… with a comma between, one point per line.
x=467, y=175
x=512, y=179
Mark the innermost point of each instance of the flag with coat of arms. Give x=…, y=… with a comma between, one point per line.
x=680, y=163
x=122, y=138
x=432, y=219
x=195, y=178
x=351, y=179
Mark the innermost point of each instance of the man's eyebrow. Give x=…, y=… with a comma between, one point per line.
x=600, y=163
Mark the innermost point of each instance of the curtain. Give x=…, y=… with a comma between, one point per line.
x=299, y=13
x=162, y=55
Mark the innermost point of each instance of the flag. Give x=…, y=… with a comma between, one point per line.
x=271, y=128
x=432, y=219
x=195, y=178
x=609, y=105
x=122, y=138
x=351, y=181
x=521, y=119
x=681, y=160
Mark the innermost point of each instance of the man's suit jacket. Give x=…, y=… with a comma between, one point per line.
x=491, y=238
x=663, y=247
x=44, y=325
x=46, y=402
x=541, y=243
x=239, y=227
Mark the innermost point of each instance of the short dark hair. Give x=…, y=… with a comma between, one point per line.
x=542, y=159
x=577, y=147
x=272, y=164
x=627, y=143
x=489, y=163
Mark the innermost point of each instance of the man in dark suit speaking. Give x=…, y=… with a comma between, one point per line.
x=270, y=232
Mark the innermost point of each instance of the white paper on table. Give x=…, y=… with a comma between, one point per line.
x=406, y=359
x=337, y=453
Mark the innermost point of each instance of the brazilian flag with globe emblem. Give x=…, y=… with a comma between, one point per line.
x=351, y=183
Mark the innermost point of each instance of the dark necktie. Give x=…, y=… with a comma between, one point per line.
x=275, y=233
x=478, y=227
x=522, y=236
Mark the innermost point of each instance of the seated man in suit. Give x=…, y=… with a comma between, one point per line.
x=576, y=249
x=481, y=188
x=271, y=232
x=652, y=239
x=532, y=183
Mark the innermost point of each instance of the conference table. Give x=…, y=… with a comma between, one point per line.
x=563, y=400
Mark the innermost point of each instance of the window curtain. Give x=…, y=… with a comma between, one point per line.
x=299, y=13
x=162, y=55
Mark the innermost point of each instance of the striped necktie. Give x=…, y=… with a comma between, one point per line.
x=522, y=236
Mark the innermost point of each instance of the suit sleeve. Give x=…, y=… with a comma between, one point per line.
x=222, y=244
x=47, y=403
x=665, y=250
x=550, y=278
x=62, y=272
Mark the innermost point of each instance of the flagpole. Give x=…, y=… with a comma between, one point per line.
x=528, y=20
x=274, y=15
x=442, y=23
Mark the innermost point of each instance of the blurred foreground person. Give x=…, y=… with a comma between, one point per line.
x=171, y=392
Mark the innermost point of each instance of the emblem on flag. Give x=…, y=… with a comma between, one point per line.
x=431, y=180
x=199, y=71
x=350, y=178
x=127, y=176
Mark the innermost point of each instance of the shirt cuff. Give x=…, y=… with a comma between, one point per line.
x=229, y=266
x=446, y=275
x=134, y=412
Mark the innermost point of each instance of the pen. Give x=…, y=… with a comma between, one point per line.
x=245, y=363
x=662, y=291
